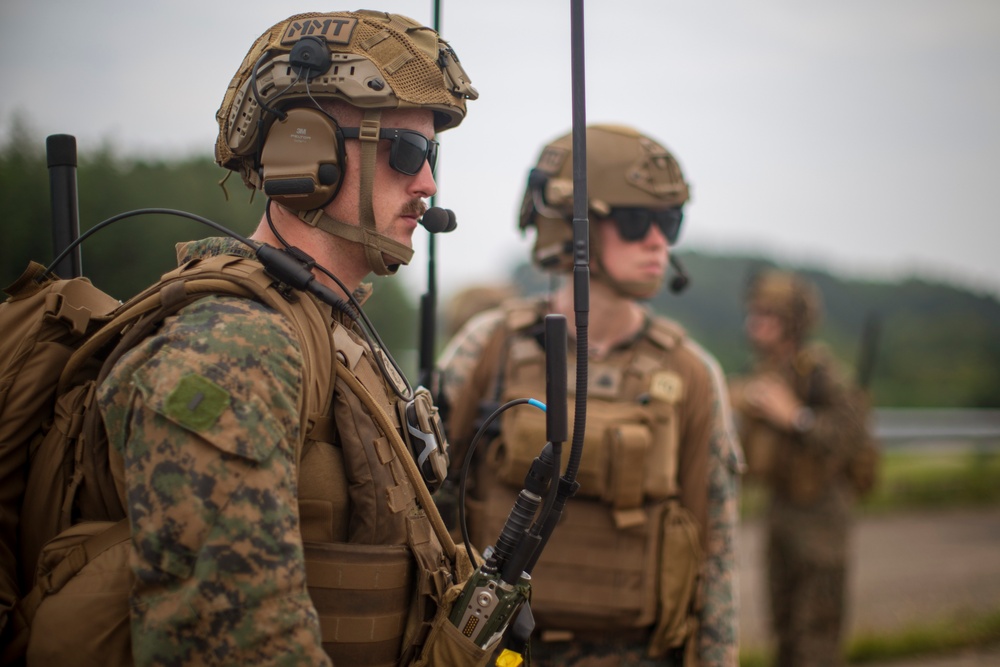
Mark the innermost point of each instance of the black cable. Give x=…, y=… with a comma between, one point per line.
x=358, y=315
x=281, y=115
x=467, y=464
x=149, y=211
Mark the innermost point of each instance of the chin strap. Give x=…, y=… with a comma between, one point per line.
x=375, y=244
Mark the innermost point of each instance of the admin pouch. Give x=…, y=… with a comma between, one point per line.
x=63, y=565
x=626, y=554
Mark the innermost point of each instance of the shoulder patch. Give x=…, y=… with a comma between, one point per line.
x=667, y=386
x=523, y=313
x=196, y=402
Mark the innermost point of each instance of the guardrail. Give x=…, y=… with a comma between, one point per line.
x=896, y=425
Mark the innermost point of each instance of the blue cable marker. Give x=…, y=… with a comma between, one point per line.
x=538, y=404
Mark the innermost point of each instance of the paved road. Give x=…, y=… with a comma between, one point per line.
x=908, y=570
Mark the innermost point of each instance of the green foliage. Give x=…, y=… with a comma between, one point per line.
x=132, y=253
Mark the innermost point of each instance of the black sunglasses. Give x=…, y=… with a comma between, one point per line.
x=408, y=151
x=633, y=223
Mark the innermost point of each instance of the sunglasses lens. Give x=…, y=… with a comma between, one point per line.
x=670, y=224
x=633, y=223
x=409, y=150
x=432, y=155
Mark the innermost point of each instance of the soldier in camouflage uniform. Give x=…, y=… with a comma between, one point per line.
x=800, y=426
x=241, y=554
x=642, y=568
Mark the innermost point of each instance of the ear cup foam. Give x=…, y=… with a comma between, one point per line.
x=302, y=160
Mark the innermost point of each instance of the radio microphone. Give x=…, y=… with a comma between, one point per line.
x=437, y=220
x=679, y=282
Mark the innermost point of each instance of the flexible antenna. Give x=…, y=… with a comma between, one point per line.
x=581, y=277
x=60, y=151
x=428, y=300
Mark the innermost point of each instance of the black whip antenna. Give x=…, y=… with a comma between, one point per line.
x=60, y=151
x=581, y=276
x=428, y=300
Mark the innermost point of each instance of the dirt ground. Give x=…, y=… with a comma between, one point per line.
x=908, y=570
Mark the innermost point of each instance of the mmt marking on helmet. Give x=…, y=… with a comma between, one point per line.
x=667, y=386
x=552, y=159
x=334, y=30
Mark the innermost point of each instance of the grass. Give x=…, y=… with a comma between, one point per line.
x=946, y=636
x=936, y=481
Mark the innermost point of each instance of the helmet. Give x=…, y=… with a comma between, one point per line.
x=625, y=168
x=795, y=300
x=274, y=132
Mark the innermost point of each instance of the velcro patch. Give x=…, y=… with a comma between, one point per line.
x=196, y=402
x=667, y=386
x=336, y=30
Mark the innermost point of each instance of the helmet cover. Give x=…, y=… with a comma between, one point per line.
x=378, y=61
x=793, y=299
x=625, y=168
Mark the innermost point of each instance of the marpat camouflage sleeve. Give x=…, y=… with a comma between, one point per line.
x=206, y=416
x=463, y=352
x=719, y=632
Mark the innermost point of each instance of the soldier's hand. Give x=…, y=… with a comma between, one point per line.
x=773, y=400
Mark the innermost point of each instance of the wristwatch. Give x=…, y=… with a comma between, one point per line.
x=804, y=421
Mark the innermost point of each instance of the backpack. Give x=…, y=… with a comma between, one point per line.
x=59, y=505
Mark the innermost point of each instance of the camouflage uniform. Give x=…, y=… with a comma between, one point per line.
x=809, y=516
x=211, y=490
x=716, y=491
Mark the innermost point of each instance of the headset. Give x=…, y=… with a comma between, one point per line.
x=301, y=159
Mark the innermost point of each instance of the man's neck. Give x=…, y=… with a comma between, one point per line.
x=613, y=319
x=325, y=249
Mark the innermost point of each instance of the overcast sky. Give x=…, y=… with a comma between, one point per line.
x=862, y=136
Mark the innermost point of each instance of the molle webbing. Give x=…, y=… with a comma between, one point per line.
x=362, y=594
x=632, y=438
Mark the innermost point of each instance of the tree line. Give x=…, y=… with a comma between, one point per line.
x=938, y=344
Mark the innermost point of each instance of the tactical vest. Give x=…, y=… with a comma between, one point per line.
x=377, y=567
x=626, y=554
x=796, y=474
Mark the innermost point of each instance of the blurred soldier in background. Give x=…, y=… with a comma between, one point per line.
x=472, y=300
x=641, y=569
x=801, y=426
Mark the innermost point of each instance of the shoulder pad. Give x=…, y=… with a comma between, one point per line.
x=523, y=313
x=665, y=333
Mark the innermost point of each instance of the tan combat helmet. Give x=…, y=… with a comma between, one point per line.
x=795, y=300
x=625, y=169
x=274, y=132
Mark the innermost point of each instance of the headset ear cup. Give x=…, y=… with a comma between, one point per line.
x=302, y=160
